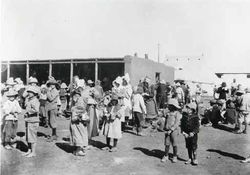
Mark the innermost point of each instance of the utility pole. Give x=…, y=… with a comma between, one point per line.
x=158, y=47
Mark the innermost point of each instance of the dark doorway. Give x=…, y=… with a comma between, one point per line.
x=61, y=72
x=85, y=71
x=3, y=73
x=18, y=70
x=40, y=71
x=107, y=73
x=157, y=77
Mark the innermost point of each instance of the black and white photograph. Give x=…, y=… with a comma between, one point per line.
x=125, y=87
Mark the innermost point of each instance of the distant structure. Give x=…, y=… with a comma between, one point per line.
x=104, y=69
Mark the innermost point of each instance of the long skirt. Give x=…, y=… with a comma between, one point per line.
x=9, y=130
x=93, y=122
x=79, y=134
x=151, y=108
x=112, y=129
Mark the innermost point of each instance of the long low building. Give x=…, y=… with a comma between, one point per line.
x=104, y=69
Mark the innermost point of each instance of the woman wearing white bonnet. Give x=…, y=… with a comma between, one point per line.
x=128, y=91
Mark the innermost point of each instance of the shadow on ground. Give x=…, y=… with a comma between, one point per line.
x=224, y=128
x=227, y=154
x=66, y=147
x=97, y=144
x=21, y=146
x=155, y=153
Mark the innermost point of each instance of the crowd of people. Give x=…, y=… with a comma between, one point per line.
x=92, y=112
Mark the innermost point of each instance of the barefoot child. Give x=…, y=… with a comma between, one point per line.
x=171, y=129
x=32, y=106
x=138, y=109
x=190, y=129
x=112, y=125
x=11, y=109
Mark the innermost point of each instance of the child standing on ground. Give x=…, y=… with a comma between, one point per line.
x=63, y=97
x=190, y=129
x=32, y=106
x=171, y=129
x=138, y=109
x=11, y=109
x=43, y=103
x=112, y=125
x=78, y=124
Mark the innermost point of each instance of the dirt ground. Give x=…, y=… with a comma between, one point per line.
x=219, y=152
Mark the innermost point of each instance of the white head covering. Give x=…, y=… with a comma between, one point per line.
x=118, y=80
x=81, y=83
x=126, y=77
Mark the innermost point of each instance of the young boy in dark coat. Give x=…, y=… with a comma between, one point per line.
x=190, y=129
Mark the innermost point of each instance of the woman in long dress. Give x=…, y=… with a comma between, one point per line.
x=78, y=124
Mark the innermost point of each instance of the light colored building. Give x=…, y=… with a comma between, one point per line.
x=104, y=69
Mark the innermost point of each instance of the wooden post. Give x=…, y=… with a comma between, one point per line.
x=96, y=70
x=27, y=72
x=71, y=70
x=8, y=70
x=50, y=68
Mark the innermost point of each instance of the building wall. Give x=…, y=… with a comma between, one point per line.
x=140, y=67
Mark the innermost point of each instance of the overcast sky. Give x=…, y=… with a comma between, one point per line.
x=42, y=29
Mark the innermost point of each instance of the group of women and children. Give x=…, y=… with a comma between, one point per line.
x=93, y=112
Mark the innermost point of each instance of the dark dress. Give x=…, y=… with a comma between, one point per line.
x=190, y=124
x=222, y=93
x=161, y=95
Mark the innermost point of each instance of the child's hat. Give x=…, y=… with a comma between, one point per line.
x=43, y=86
x=18, y=81
x=33, y=89
x=90, y=82
x=10, y=81
x=174, y=102
x=63, y=86
x=11, y=93
x=32, y=80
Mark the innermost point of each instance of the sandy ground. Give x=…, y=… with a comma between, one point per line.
x=219, y=152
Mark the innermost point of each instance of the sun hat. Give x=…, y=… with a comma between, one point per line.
x=63, y=86
x=18, y=80
x=162, y=82
x=43, y=86
x=90, y=82
x=52, y=82
x=10, y=81
x=240, y=92
x=11, y=93
x=178, y=84
x=174, y=102
x=33, y=89
x=32, y=80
